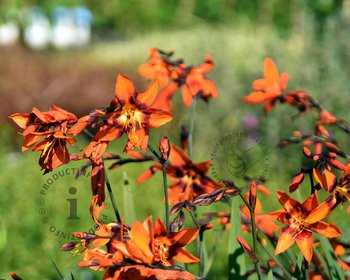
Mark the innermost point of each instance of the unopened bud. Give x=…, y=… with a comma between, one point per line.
x=164, y=148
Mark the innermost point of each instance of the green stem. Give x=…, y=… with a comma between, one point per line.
x=255, y=243
x=254, y=235
x=111, y=196
x=166, y=196
x=165, y=186
x=190, y=134
x=272, y=256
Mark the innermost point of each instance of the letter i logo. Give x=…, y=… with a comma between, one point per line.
x=73, y=215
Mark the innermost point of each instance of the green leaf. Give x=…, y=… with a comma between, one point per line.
x=237, y=259
x=270, y=275
x=57, y=269
x=336, y=272
x=300, y=270
x=323, y=261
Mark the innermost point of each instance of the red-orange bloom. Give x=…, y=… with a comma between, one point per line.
x=47, y=132
x=270, y=88
x=156, y=68
x=301, y=221
x=141, y=272
x=132, y=113
x=189, y=179
x=173, y=75
x=153, y=244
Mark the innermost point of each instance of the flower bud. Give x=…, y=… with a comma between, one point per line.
x=164, y=148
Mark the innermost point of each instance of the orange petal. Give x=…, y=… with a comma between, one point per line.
x=270, y=69
x=164, y=99
x=206, y=66
x=178, y=157
x=147, y=71
x=283, y=81
x=322, y=211
x=186, y=95
x=184, y=256
x=124, y=89
x=296, y=181
x=203, y=166
x=156, y=117
x=20, y=119
x=259, y=97
x=328, y=230
x=285, y=240
x=185, y=236
x=108, y=134
x=141, y=239
x=247, y=249
x=209, y=88
x=326, y=179
x=159, y=228
x=289, y=204
x=304, y=241
x=310, y=203
x=147, y=97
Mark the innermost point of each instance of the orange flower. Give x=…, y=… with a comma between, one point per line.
x=342, y=189
x=132, y=113
x=189, y=179
x=47, y=132
x=150, y=244
x=270, y=88
x=302, y=220
x=141, y=272
x=173, y=75
x=157, y=68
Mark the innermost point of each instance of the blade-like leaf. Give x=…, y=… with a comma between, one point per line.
x=336, y=272
x=237, y=258
x=57, y=270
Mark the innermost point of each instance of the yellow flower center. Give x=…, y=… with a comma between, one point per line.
x=130, y=117
x=162, y=250
x=343, y=192
x=298, y=224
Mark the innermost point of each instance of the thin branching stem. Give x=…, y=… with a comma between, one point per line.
x=165, y=186
x=111, y=196
x=166, y=196
x=254, y=235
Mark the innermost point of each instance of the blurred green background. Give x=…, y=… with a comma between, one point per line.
x=308, y=39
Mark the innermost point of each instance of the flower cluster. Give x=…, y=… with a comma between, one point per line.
x=155, y=249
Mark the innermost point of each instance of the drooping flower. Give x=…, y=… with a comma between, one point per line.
x=302, y=220
x=270, y=88
x=47, y=132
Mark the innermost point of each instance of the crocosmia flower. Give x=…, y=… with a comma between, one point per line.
x=47, y=132
x=302, y=220
x=268, y=89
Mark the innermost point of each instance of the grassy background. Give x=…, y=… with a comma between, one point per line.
x=320, y=66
